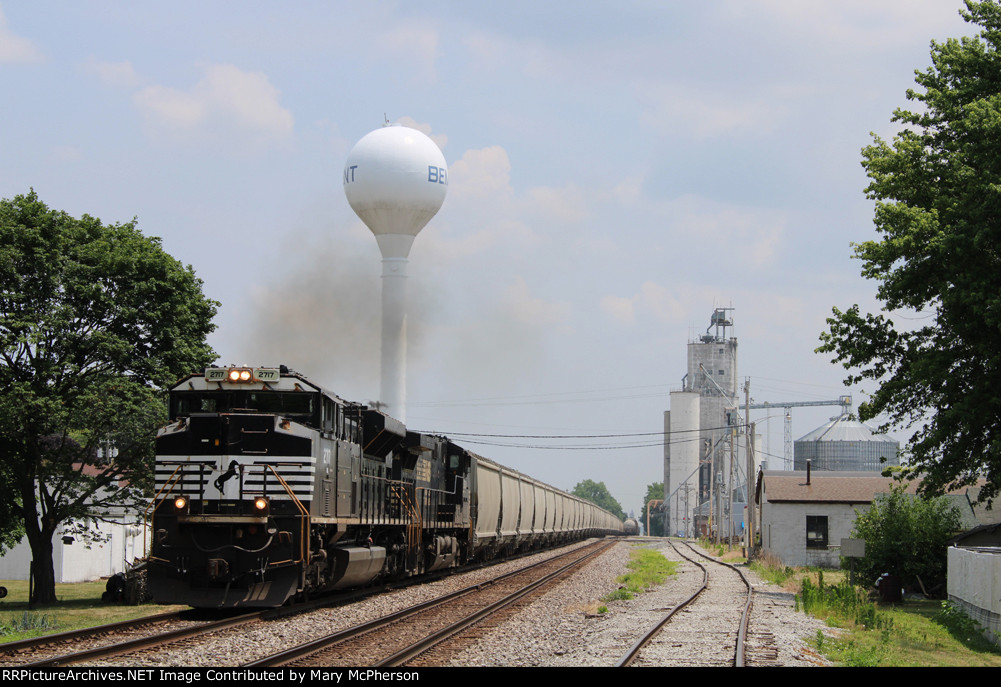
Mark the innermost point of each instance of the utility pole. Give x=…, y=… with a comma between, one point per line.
x=749, y=457
x=712, y=493
x=751, y=483
x=730, y=485
x=687, y=517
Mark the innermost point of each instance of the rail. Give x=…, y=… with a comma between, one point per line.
x=739, y=659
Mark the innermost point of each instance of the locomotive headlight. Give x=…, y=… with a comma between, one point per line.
x=238, y=374
x=261, y=504
x=180, y=502
x=243, y=375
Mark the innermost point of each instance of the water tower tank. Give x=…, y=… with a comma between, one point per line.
x=395, y=179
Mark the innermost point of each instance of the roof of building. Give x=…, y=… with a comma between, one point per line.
x=984, y=515
x=825, y=486
x=984, y=536
x=830, y=486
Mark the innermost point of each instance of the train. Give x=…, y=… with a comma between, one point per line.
x=269, y=488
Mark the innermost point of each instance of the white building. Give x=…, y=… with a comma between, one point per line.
x=75, y=560
x=804, y=515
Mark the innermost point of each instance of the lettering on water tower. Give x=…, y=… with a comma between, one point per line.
x=437, y=175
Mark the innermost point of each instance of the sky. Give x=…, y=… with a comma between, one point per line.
x=616, y=172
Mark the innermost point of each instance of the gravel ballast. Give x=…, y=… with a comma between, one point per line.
x=564, y=627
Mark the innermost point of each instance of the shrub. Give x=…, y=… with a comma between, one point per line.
x=906, y=536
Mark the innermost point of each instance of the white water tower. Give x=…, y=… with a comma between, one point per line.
x=395, y=180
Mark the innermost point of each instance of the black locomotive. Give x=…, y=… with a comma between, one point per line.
x=269, y=488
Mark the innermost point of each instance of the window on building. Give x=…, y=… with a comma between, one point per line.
x=816, y=531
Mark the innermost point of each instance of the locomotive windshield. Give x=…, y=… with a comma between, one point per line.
x=303, y=406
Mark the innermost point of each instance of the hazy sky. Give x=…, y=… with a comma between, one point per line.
x=617, y=170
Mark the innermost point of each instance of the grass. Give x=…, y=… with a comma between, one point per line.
x=648, y=569
x=727, y=553
x=923, y=634
x=912, y=634
x=770, y=569
x=79, y=606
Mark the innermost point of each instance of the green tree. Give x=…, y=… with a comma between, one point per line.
x=94, y=319
x=597, y=493
x=937, y=188
x=906, y=536
x=11, y=522
x=654, y=492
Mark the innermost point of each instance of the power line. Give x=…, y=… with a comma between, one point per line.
x=520, y=440
x=555, y=397
x=581, y=447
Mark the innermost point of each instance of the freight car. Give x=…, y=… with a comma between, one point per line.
x=269, y=488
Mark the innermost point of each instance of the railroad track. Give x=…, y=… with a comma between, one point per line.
x=154, y=632
x=36, y=650
x=108, y=641
x=26, y=647
x=186, y=638
x=398, y=639
x=708, y=628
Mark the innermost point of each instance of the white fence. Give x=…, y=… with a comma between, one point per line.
x=975, y=586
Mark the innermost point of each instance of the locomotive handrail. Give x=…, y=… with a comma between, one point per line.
x=181, y=465
x=271, y=464
x=178, y=473
x=168, y=483
x=304, y=551
x=414, y=524
x=155, y=503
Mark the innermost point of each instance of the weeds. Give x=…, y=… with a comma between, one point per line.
x=716, y=549
x=620, y=594
x=649, y=569
x=918, y=633
x=844, y=604
x=769, y=567
x=27, y=622
x=842, y=600
x=854, y=655
x=963, y=628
